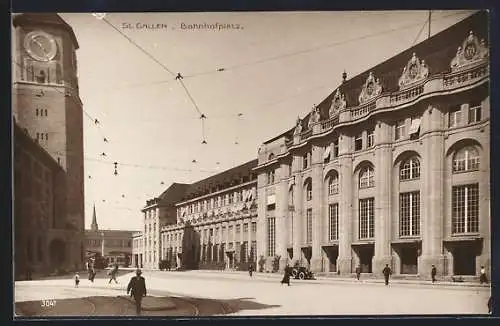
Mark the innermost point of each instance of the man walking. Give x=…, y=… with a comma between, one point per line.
x=113, y=273
x=433, y=273
x=358, y=272
x=137, y=289
x=387, y=272
x=250, y=269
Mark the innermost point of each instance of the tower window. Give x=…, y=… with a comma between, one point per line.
x=358, y=143
x=37, y=112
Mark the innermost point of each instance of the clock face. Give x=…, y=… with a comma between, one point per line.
x=40, y=46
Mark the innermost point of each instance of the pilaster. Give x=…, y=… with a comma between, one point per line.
x=383, y=198
x=344, y=259
x=261, y=217
x=432, y=175
x=281, y=214
x=298, y=218
x=317, y=208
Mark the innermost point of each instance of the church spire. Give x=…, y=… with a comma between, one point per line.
x=94, y=226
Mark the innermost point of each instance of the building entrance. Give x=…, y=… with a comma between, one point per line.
x=290, y=253
x=230, y=259
x=365, y=255
x=331, y=252
x=409, y=258
x=57, y=251
x=305, y=260
x=464, y=259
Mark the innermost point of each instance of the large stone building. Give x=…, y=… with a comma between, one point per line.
x=219, y=211
x=391, y=168
x=47, y=107
x=115, y=246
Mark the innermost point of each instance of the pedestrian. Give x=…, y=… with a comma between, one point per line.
x=77, y=279
x=387, y=272
x=137, y=289
x=113, y=273
x=482, y=277
x=286, y=277
x=358, y=272
x=250, y=269
x=489, y=305
x=433, y=273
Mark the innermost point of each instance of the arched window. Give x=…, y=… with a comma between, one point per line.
x=366, y=178
x=271, y=156
x=410, y=169
x=308, y=191
x=466, y=159
x=333, y=184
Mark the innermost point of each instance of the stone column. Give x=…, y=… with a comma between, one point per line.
x=317, y=209
x=298, y=216
x=202, y=241
x=281, y=214
x=383, y=197
x=261, y=237
x=432, y=192
x=344, y=259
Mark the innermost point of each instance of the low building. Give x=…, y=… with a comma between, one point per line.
x=114, y=245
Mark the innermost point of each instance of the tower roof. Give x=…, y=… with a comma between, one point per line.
x=94, y=226
x=51, y=19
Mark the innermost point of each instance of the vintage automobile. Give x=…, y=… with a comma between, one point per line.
x=302, y=273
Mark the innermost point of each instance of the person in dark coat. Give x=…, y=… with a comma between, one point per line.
x=113, y=273
x=387, y=272
x=358, y=272
x=286, y=277
x=250, y=269
x=490, y=304
x=433, y=273
x=137, y=289
x=482, y=277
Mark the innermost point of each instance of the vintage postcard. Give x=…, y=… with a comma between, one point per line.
x=251, y=163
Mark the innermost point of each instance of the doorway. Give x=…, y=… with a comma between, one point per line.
x=464, y=260
x=409, y=259
x=332, y=252
x=365, y=255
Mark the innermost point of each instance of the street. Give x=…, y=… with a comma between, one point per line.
x=261, y=295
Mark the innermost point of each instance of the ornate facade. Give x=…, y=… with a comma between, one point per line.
x=391, y=168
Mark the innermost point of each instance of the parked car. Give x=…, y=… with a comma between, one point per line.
x=302, y=273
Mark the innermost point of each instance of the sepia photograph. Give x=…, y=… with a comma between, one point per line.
x=223, y=164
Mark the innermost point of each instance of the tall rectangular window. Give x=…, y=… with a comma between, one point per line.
x=271, y=236
x=254, y=227
x=465, y=209
x=400, y=131
x=253, y=251
x=245, y=228
x=366, y=218
x=371, y=138
x=336, y=148
x=475, y=112
x=309, y=225
x=409, y=214
x=455, y=117
x=333, y=222
x=358, y=143
x=305, y=161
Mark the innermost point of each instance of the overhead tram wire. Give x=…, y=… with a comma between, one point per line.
x=149, y=55
x=314, y=49
x=420, y=32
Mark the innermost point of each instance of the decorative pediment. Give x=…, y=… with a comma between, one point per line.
x=338, y=103
x=371, y=89
x=313, y=117
x=471, y=51
x=414, y=71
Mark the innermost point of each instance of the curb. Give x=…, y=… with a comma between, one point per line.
x=170, y=306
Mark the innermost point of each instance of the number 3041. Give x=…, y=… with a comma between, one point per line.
x=48, y=303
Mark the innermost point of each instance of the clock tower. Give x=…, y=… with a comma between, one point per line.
x=47, y=105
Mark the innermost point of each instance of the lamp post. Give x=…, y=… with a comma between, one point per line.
x=102, y=244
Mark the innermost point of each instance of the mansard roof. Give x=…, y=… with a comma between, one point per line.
x=438, y=51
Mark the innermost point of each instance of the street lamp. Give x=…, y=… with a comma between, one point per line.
x=102, y=244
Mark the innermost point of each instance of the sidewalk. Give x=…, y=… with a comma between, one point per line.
x=334, y=278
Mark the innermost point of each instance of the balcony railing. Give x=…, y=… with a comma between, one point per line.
x=306, y=134
x=328, y=124
x=363, y=110
x=465, y=77
x=406, y=95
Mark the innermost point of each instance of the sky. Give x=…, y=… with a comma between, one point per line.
x=276, y=65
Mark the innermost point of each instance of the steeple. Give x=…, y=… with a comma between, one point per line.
x=94, y=226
